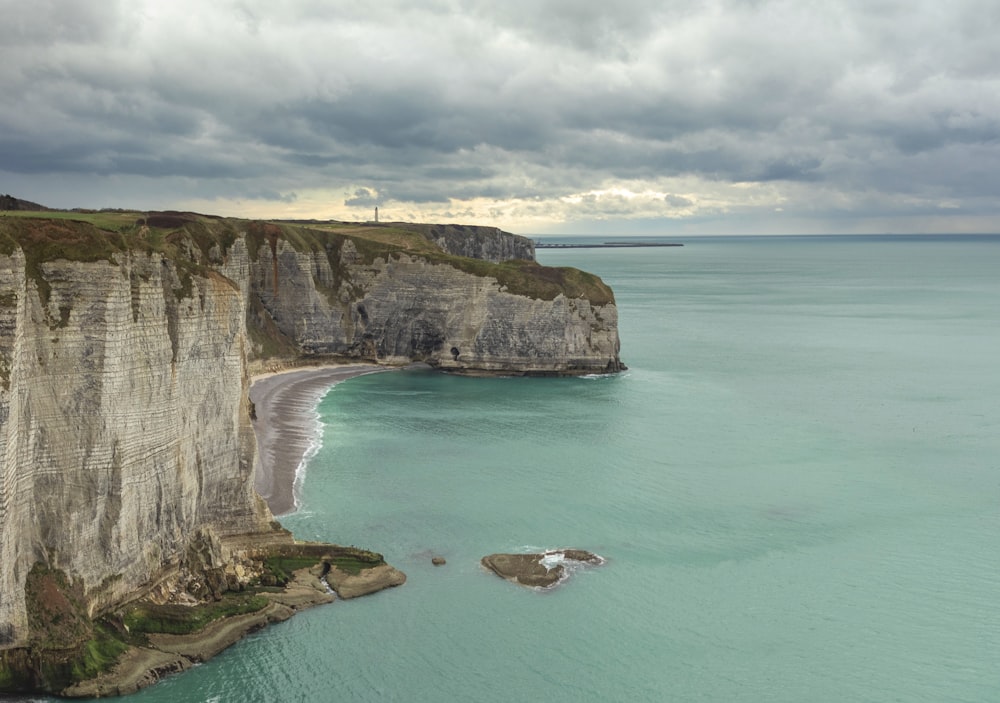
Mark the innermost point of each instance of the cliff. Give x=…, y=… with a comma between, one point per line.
x=402, y=299
x=126, y=450
x=486, y=243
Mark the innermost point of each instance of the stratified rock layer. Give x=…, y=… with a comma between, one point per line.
x=126, y=447
x=397, y=307
x=124, y=424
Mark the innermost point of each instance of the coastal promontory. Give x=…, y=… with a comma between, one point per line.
x=128, y=514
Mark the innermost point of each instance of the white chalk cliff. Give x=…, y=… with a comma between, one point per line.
x=124, y=425
x=125, y=433
x=402, y=306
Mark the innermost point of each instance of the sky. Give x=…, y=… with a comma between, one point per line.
x=637, y=117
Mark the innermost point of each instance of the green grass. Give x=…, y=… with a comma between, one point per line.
x=76, y=237
x=533, y=280
x=304, y=554
x=283, y=567
x=99, y=654
x=349, y=559
x=386, y=236
x=51, y=239
x=116, y=221
x=150, y=618
x=350, y=564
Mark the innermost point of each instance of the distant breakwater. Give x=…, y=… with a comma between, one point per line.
x=606, y=245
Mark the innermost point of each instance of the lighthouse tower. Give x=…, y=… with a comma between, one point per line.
x=376, y=213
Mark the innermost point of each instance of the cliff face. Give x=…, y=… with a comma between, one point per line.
x=397, y=307
x=124, y=425
x=125, y=436
x=486, y=243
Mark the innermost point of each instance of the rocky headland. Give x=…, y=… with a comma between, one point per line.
x=128, y=514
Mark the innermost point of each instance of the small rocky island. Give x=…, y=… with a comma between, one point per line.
x=541, y=569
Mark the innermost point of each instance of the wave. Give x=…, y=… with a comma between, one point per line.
x=552, y=558
x=315, y=445
x=617, y=374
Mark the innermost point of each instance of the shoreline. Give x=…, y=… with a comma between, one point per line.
x=283, y=406
x=166, y=654
x=286, y=426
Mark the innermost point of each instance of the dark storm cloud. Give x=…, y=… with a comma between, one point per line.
x=532, y=101
x=788, y=171
x=47, y=22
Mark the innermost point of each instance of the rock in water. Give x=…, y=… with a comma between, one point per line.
x=370, y=580
x=539, y=570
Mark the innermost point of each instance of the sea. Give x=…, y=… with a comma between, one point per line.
x=795, y=487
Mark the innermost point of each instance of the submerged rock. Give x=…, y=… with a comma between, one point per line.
x=539, y=570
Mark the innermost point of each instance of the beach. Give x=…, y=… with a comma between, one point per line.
x=285, y=425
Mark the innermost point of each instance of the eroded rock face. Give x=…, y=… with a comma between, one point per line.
x=539, y=570
x=404, y=308
x=124, y=424
x=486, y=243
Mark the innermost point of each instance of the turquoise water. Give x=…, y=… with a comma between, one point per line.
x=796, y=486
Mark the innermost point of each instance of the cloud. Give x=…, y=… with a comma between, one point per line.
x=46, y=23
x=363, y=197
x=847, y=111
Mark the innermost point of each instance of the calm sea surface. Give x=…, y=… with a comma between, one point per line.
x=796, y=486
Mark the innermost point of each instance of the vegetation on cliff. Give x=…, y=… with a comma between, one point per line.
x=68, y=647
x=198, y=246
x=187, y=242
x=171, y=618
x=195, y=242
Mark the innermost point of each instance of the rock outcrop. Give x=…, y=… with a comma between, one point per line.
x=126, y=447
x=541, y=570
x=486, y=243
x=352, y=585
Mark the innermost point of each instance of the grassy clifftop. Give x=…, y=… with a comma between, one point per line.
x=196, y=242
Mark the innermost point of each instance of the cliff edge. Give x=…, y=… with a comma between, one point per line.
x=392, y=295
x=127, y=453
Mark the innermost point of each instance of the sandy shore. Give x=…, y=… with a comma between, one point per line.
x=285, y=406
